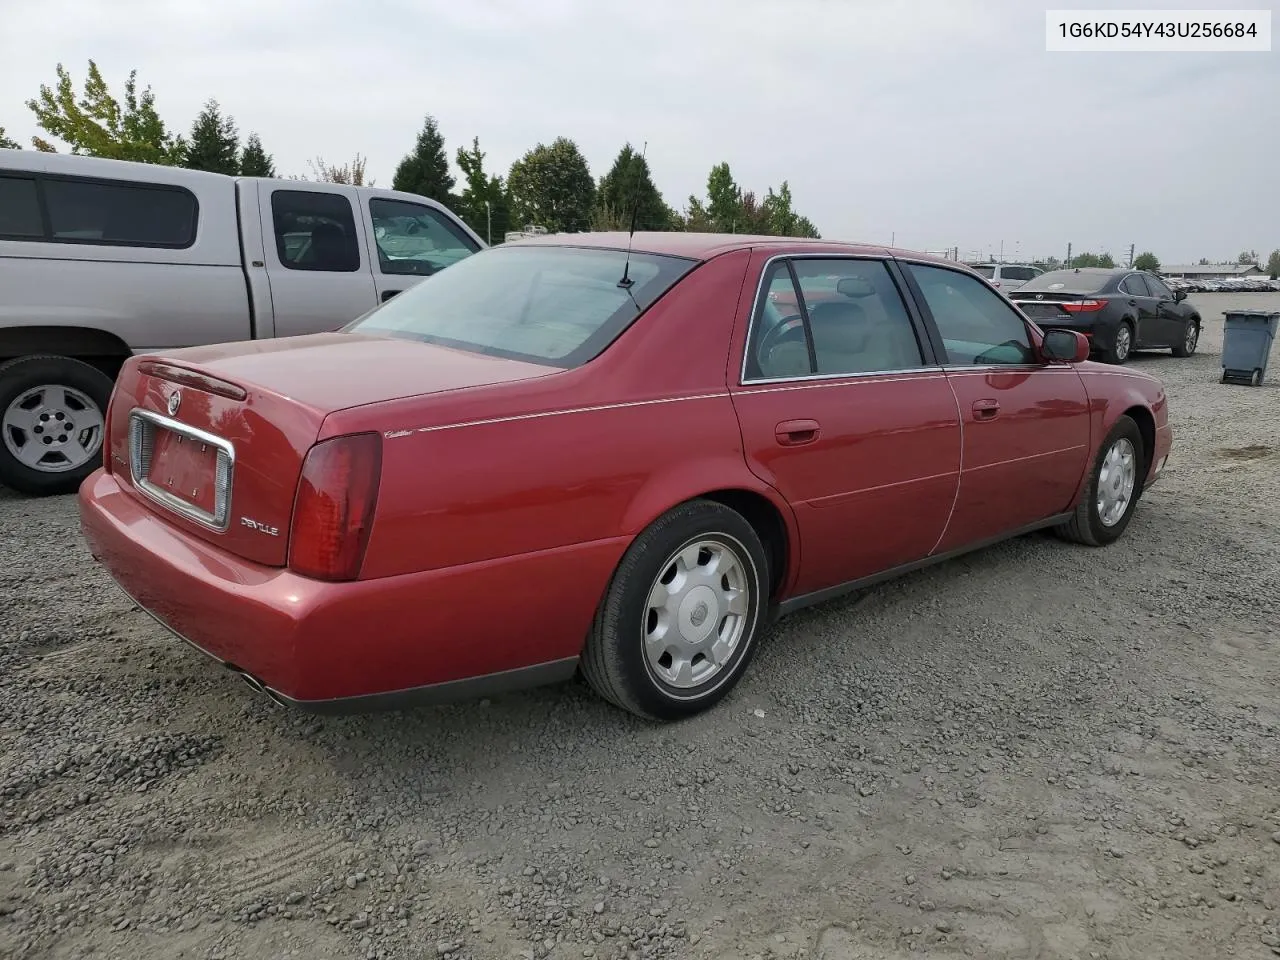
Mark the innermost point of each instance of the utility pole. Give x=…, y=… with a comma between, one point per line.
x=1068, y=264
x=488, y=212
x=1131, y=246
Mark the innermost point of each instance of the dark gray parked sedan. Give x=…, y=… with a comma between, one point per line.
x=1119, y=310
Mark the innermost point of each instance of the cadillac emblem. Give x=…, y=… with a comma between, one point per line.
x=175, y=401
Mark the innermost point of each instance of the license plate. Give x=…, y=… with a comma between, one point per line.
x=184, y=468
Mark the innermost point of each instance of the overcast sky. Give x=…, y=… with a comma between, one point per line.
x=935, y=122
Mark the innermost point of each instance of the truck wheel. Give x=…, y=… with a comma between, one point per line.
x=52, y=423
x=680, y=620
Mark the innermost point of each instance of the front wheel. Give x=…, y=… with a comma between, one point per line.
x=679, y=622
x=52, y=423
x=1190, y=339
x=1115, y=484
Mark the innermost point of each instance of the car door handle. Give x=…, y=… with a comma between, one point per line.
x=388, y=294
x=985, y=409
x=792, y=433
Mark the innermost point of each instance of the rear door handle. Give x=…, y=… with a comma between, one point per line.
x=792, y=433
x=985, y=409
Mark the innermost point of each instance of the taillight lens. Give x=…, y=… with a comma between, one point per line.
x=1083, y=306
x=334, y=506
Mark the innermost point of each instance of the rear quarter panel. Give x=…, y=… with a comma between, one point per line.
x=584, y=455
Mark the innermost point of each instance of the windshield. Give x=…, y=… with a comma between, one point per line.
x=1068, y=281
x=552, y=305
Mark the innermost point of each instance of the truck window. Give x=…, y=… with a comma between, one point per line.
x=315, y=231
x=413, y=238
x=117, y=213
x=20, y=208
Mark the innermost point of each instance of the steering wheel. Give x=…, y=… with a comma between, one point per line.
x=788, y=328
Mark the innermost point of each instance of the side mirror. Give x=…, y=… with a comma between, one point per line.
x=1065, y=346
x=1179, y=295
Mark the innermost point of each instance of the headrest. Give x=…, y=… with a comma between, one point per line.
x=838, y=326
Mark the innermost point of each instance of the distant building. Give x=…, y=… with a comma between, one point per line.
x=1213, y=271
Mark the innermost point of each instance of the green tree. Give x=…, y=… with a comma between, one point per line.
x=425, y=171
x=214, y=143
x=1093, y=260
x=1273, y=265
x=97, y=125
x=482, y=205
x=781, y=219
x=724, y=200
x=1146, y=261
x=551, y=186
x=349, y=173
x=6, y=143
x=628, y=187
x=1248, y=256
x=254, y=160
x=696, y=217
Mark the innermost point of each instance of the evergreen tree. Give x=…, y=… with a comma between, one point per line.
x=425, y=171
x=6, y=143
x=214, y=143
x=628, y=187
x=482, y=205
x=254, y=160
x=551, y=186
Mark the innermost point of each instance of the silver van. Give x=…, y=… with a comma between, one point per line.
x=101, y=259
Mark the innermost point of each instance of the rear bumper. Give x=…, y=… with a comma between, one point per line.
x=436, y=636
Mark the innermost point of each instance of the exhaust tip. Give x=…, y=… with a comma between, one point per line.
x=257, y=685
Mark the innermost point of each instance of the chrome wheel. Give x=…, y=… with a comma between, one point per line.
x=1124, y=343
x=696, y=614
x=52, y=428
x=1116, y=480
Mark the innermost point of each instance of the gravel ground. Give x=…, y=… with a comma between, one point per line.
x=1036, y=751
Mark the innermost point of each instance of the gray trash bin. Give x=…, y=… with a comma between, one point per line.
x=1246, y=345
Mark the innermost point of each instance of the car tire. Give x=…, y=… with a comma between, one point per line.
x=40, y=395
x=714, y=606
x=1092, y=523
x=1121, y=347
x=1190, y=339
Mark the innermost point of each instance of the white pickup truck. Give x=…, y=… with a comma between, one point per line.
x=101, y=259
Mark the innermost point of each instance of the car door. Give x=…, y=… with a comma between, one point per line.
x=1137, y=295
x=317, y=259
x=1170, y=314
x=410, y=241
x=845, y=412
x=1025, y=422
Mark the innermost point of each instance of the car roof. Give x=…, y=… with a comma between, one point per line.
x=704, y=246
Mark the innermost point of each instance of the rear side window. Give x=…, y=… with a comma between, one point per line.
x=1134, y=286
x=559, y=306
x=315, y=231
x=119, y=213
x=856, y=322
x=20, y=208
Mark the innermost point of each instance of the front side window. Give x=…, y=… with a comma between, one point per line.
x=856, y=321
x=978, y=326
x=415, y=239
x=119, y=213
x=315, y=231
x=20, y=209
x=543, y=304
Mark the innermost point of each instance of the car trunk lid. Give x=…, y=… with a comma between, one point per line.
x=214, y=438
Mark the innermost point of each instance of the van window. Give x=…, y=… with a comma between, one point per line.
x=117, y=213
x=315, y=231
x=416, y=239
x=20, y=208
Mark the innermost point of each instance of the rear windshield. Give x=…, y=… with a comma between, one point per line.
x=552, y=305
x=1067, y=281
x=986, y=270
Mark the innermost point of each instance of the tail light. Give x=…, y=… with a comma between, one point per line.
x=334, y=506
x=1083, y=306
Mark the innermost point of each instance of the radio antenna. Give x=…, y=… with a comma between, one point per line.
x=626, y=280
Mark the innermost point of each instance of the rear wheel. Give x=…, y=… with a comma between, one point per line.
x=679, y=622
x=1113, y=490
x=1121, y=345
x=1190, y=339
x=52, y=423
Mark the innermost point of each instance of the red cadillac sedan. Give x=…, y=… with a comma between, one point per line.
x=624, y=456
